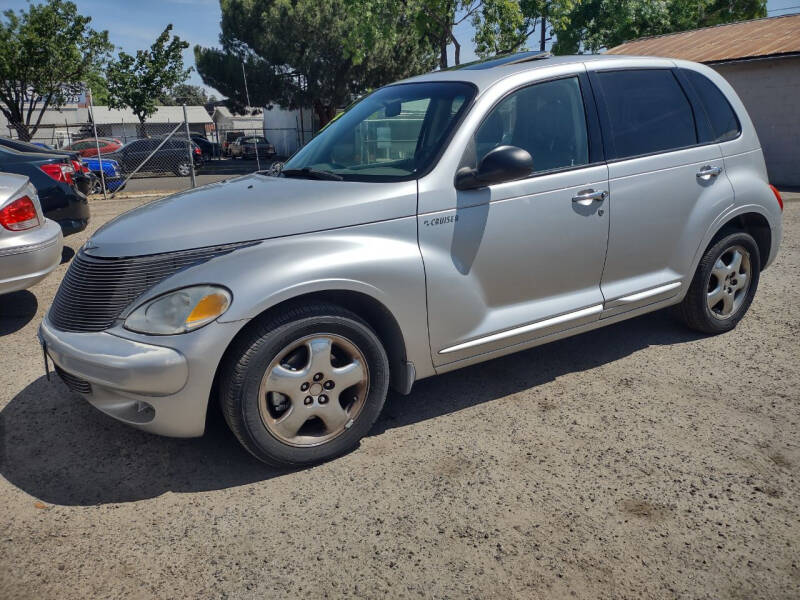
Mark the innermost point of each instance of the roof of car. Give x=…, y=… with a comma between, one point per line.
x=485, y=73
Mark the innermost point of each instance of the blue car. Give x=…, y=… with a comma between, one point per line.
x=111, y=173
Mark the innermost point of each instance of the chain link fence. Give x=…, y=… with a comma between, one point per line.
x=168, y=157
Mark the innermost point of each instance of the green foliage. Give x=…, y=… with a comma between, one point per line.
x=310, y=52
x=184, y=93
x=95, y=81
x=436, y=20
x=139, y=81
x=593, y=25
x=501, y=27
x=46, y=54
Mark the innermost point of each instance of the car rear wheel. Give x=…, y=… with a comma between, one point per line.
x=183, y=169
x=304, y=386
x=724, y=285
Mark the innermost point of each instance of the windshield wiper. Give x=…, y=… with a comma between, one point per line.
x=312, y=174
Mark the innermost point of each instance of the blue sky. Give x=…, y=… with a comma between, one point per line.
x=134, y=24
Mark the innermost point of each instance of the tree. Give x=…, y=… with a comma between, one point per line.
x=96, y=83
x=436, y=21
x=505, y=25
x=308, y=53
x=501, y=27
x=46, y=54
x=593, y=25
x=137, y=82
x=184, y=93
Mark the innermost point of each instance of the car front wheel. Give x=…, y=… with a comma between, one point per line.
x=724, y=285
x=304, y=386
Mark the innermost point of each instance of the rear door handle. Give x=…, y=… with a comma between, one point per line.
x=707, y=173
x=586, y=197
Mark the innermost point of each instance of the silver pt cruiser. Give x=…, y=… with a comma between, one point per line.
x=442, y=221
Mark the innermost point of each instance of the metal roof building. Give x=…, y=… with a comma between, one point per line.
x=761, y=60
x=104, y=115
x=59, y=127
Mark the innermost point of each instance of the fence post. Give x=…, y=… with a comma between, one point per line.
x=97, y=145
x=189, y=145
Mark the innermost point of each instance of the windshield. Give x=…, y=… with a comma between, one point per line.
x=394, y=134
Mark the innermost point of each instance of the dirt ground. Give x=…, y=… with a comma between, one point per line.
x=638, y=461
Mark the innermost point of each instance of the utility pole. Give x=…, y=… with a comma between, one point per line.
x=189, y=146
x=246, y=93
x=96, y=142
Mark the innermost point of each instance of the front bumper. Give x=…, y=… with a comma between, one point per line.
x=162, y=389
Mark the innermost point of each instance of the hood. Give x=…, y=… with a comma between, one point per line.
x=253, y=207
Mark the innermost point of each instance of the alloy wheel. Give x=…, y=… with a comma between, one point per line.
x=729, y=282
x=313, y=390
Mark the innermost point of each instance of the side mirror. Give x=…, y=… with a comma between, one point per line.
x=392, y=109
x=504, y=163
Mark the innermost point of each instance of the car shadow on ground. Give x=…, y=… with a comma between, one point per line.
x=16, y=310
x=56, y=447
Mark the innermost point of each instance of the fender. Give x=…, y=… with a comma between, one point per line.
x=380, y=260
x=730, y=213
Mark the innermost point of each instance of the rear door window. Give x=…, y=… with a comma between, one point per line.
x=724, y=123
x=647, y=110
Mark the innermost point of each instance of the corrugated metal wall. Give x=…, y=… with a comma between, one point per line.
x=770, y=89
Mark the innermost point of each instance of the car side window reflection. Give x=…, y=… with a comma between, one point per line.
x=546, y=119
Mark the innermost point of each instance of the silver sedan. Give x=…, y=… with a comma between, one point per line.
x=30, y=244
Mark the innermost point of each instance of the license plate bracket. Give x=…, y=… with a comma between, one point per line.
x=45, y=357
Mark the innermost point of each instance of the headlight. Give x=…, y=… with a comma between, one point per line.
x=180, y=311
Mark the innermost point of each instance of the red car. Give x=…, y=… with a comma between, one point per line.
x=88, y=147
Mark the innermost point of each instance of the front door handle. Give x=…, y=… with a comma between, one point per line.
x=587, y=197
x=707, y=173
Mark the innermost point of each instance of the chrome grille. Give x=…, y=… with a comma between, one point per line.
x=96, y=290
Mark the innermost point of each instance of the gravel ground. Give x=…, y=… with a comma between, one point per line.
x=637, y=461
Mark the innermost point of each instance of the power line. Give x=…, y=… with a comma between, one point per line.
x=784, y=8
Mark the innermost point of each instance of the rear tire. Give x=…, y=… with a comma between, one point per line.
x=183, y=169
x=723, y=286
x=304, y=386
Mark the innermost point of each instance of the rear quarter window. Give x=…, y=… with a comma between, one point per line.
x=648, y=111
x=724, y=123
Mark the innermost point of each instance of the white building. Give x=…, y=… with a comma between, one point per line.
x=124, y=125
x=60, y=127
x=288, y=129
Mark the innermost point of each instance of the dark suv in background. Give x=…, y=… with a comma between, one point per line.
x=172, y=156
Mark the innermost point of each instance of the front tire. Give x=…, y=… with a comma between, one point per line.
x=304, y=386
x=724, y=285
